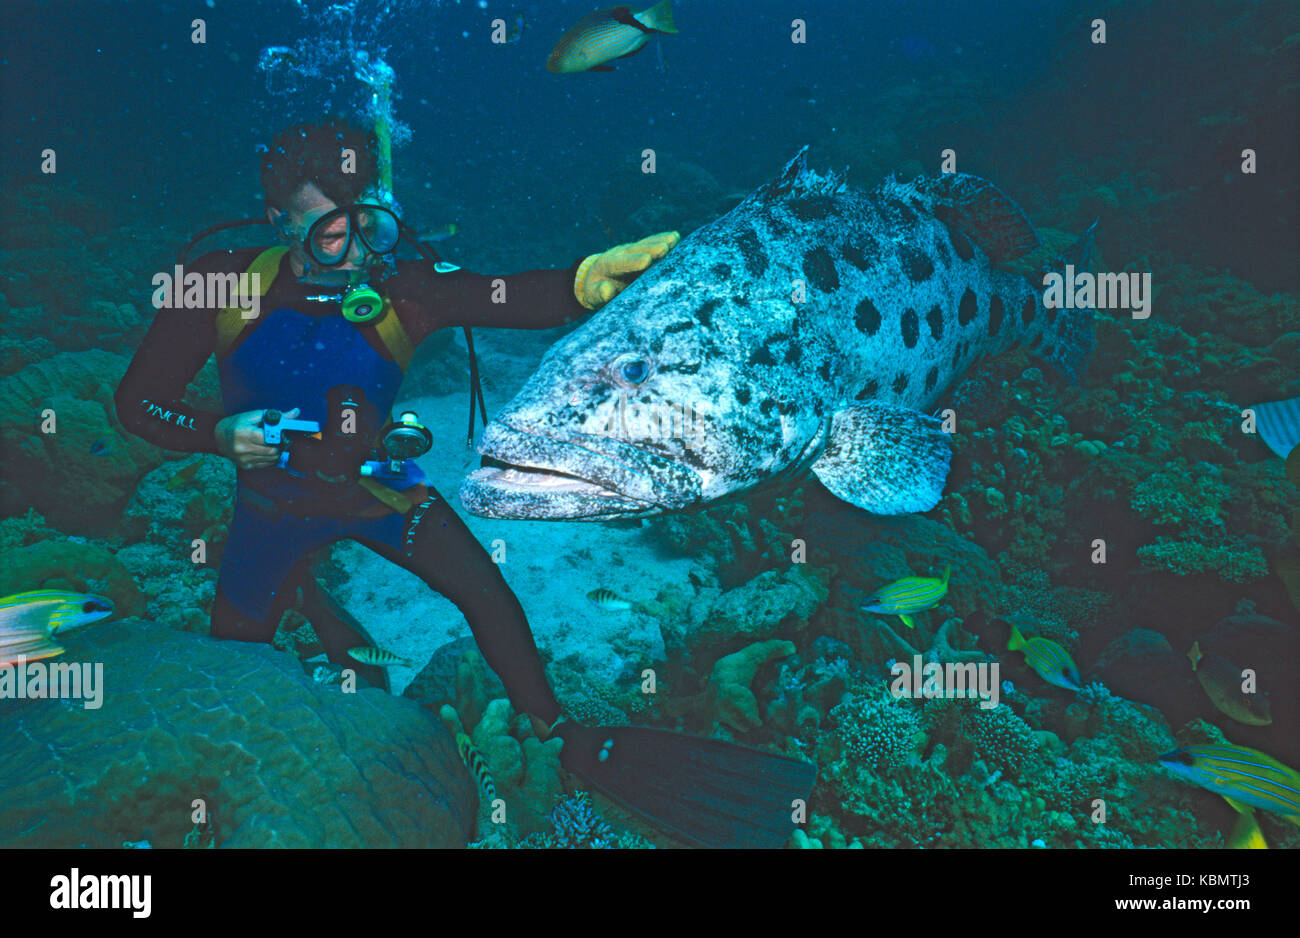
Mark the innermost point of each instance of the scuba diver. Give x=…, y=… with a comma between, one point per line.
x=308, y=384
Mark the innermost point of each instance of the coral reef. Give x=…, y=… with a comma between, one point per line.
x=278, y=759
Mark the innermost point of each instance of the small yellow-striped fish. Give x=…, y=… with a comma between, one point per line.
x=606, y=35
x=909, y=595
x=608, y=600
x=377, y=656
x=29, y=621
x=474, y=762
x=1052, y=662
x=1241, y=776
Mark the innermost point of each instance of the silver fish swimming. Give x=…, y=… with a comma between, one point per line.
x=810, y=328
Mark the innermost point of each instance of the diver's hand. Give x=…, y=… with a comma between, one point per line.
x=601, y=277
x=240, y=439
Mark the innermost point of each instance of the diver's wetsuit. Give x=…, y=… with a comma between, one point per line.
x=290, y=357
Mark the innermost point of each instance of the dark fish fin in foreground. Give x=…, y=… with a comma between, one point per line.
x=703, y=792
x=1278, y=424
x=885, y=459
x=981, y=211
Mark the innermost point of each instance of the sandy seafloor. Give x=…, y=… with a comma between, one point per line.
x=550, y=565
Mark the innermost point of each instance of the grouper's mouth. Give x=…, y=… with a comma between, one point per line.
x=529, y=476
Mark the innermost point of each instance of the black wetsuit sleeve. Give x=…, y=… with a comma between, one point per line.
x=150, y=398
x=535, y=299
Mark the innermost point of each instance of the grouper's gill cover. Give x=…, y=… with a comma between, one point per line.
x=810, y=327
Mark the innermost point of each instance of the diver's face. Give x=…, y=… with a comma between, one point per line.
x=307, y=205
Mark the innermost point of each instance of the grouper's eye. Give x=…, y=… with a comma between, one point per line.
x=633, y=371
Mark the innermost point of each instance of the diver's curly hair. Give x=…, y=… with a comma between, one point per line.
x=314, y=153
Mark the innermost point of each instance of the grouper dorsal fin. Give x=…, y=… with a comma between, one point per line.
x=797, y=181
x=977, y=208
x=885, y=459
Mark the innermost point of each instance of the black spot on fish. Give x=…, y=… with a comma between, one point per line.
x=956, y=358
x=752, y=252
x=968, y=307
x=766, y=407
x=1038, y=343
x=742, y=395
x=911, y=328
x=693, y=458
x=867, y=317
x=819, y=268
x=900, y=384
x=691, y=368
x=995, y=314
x=657, y=344
x=824, y=370
x=704, y=315
x=961, y=244
x=935, y=320
x=905, y=212
x=932, y=378
x=793, y=353
x=1027, y=311
x=813, y=209
x=762, y=356
x=777, y=226
x=720, y=271
x=918, y=265
x=870, y=391
x=1051, y=314
x=740, y=299
x=678, y=327
x=856, y=256
x=942, y=252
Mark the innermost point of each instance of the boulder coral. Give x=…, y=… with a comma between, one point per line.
x=278, y=759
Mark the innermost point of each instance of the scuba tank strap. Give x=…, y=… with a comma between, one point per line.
x=231, y=322
x=390, y=331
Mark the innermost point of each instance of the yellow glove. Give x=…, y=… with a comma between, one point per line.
x=601, y=277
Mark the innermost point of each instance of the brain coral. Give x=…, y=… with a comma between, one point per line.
x=279, y=760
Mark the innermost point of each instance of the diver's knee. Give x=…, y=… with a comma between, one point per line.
x=228, y=622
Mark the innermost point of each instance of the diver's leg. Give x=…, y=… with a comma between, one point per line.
x=433, y=543
x=229, y=622
x=336, y=628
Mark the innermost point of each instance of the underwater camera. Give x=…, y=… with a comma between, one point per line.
x=347, y=446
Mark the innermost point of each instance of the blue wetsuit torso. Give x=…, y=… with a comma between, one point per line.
x=292, y=359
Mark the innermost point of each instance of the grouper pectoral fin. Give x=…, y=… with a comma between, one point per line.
x=981, y=211
x=885, y=459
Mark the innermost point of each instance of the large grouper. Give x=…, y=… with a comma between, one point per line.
x=810, y=328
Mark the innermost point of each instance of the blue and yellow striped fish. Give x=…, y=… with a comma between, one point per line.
x=1052, y=662
x=908, y=595
x=1243, y=777
x=606, y=35
x=474, y=762
x=29, y=621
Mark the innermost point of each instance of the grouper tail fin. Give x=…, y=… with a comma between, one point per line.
x=1064, y=338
